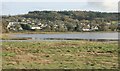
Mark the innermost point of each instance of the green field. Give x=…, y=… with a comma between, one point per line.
x=60, y=54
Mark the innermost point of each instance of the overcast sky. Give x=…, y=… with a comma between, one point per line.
x=13, y=7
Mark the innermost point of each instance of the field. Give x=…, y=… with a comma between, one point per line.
x=60, y=54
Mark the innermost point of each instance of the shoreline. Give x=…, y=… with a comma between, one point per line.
x=57, y=32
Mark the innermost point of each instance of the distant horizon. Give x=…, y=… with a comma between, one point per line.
x=56, y=11
x=16, y=8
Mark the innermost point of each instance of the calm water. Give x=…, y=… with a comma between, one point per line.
x=70, y=36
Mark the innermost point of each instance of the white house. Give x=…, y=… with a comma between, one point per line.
x=108, y=23
x=86, y=29
x=12, y=24
x=39, y=24
x=95, y=28
x=35, y=27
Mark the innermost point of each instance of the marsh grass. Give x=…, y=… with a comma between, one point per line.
x=59, y=55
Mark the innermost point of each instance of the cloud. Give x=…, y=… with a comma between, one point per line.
x=110, y=5
x=106, y=5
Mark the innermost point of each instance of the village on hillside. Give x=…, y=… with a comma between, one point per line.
x=28, y=24
x=34, y=25
x=70, y=21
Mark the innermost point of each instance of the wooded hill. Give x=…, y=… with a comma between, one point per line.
x=79, y=15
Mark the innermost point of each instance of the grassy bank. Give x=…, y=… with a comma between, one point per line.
x=5, y=36
x=10, y=36
x=41, y=32
x=61, y=54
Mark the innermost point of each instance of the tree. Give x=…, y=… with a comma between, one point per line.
x=103, y=27
x=78, y=28
x=118, y=27
x=113, y=27
x=26, y=26
x=4, y=26
x=70, y=26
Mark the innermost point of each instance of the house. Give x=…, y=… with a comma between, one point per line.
x=42, y=25
x=15, y=26
x=85, y=29
x=55, y=26
x=88, y=27
x=12, y=24
x=108, y=23
x=20, y=28
x=35, y=27
x=39, y=24
x=94, y=28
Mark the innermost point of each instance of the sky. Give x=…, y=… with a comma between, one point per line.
x=14, y=7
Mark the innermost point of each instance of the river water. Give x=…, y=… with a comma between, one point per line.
x=71, y=36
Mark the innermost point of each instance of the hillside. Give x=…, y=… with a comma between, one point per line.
x=63, y=21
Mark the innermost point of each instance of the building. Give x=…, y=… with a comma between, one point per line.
x=85, y=29
x=95, y=28
x=12, y=24
x=35, y=27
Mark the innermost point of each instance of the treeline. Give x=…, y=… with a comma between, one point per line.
x=79, y=15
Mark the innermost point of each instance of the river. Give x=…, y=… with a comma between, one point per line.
x=71, y=36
